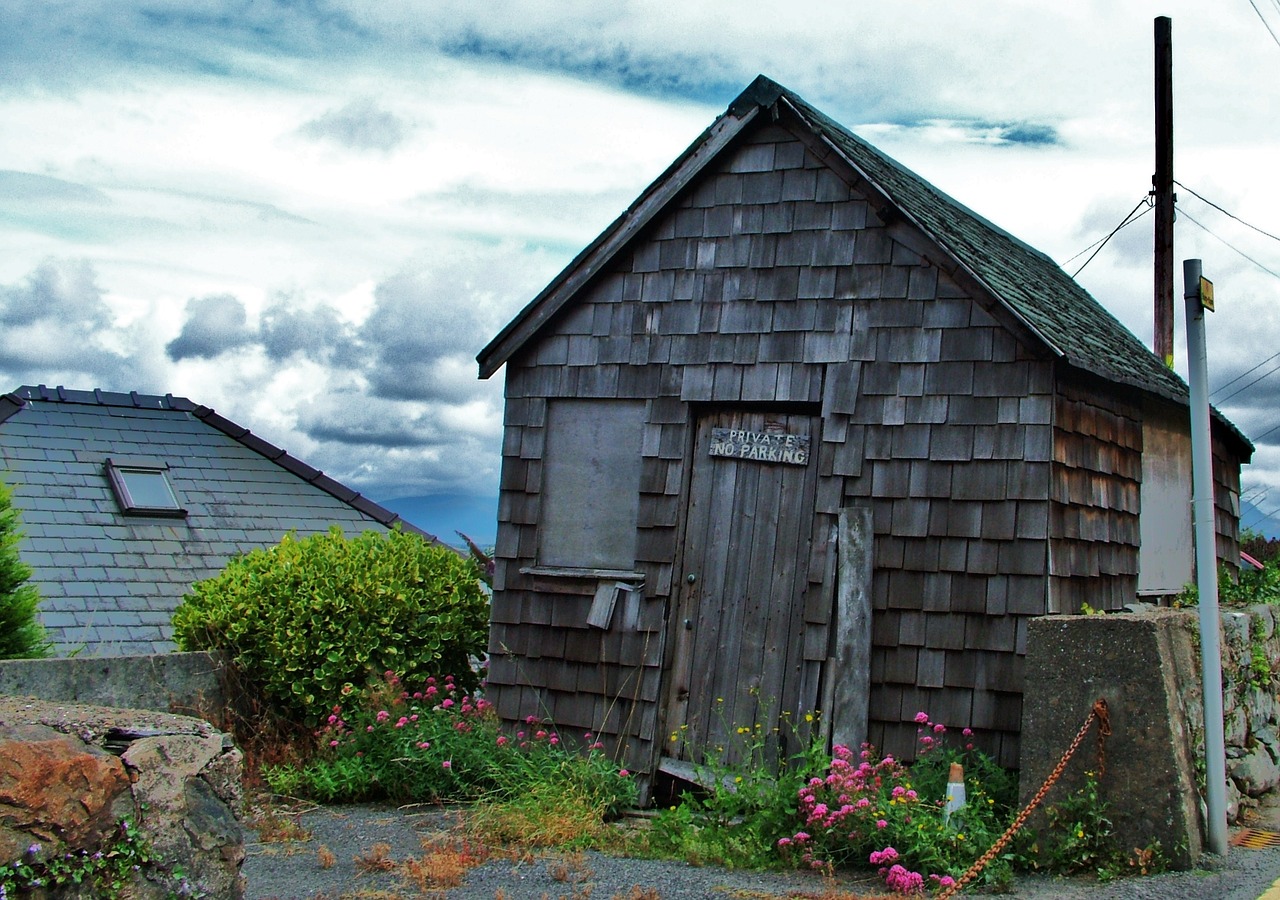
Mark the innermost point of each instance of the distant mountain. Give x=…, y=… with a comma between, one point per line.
x=1264, y=523
x=445, y=514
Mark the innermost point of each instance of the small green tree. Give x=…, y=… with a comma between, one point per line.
x=21, y=634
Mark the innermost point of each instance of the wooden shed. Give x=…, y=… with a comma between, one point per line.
x=788, y=355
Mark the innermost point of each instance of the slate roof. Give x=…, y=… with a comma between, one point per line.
x=1028, y=283
x=110, y=581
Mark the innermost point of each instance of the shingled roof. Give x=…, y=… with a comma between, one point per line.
x=1061, y=314
x=110, y=580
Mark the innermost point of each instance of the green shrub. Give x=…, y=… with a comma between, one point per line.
x=21, y=634
x=309, y=620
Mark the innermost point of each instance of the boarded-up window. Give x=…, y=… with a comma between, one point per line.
x=591, y=484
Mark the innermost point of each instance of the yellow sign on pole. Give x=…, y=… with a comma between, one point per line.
x=1206, y=293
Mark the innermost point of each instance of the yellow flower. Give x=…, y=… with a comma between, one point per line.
x=738, y=780
x=808, y=717
x=1080, y=834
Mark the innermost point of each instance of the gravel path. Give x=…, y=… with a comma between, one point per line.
x=337, y=855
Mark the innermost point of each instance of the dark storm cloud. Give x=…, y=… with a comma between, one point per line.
x=62, y=291
x=316, y=334
x=360, y=125
x=421, y=319
x=215, y=324
x=354, y=419
x=50, y=327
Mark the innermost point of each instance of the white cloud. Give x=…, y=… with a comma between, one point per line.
x=375, y=189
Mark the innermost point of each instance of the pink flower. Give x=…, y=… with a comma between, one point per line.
x=922, y=718
x=382, y=715
x=402, y=721
x=540, y=735
x=423, y=745
x=333, y=743
x=623, y=773
x=554, y=740
x=968, y=732
x=447, y=764
x=939, y=729
x=784, y=842
x=432, y=691
x=368, y=728
x=879, y=857
x=446, y=703
x=881, y=823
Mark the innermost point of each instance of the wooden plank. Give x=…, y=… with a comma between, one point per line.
x=850, y=654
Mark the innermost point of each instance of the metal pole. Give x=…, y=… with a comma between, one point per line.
x=1206, y=561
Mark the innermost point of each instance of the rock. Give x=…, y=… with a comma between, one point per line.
x=57, y=789
x=1261, y=704
x=1235, y=727
x=186, y=818
x=1255, y=773
x=1233, y=802
x=177, y=779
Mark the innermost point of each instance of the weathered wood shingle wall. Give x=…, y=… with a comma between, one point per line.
x=1095, y=499
x=775, y=281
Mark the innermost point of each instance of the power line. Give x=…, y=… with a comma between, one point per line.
x=1225, y=212
x=1264, y=23
x=1227, y=244
x=1246, y=387
x=1222, y=387
x=1127, y=220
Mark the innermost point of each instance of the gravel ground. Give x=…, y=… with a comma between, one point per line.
x=347, y=838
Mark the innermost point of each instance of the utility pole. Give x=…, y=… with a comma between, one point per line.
x=1198, y=294
x=1162, y=192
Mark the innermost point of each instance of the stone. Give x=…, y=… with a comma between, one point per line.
x=58, y=789
x=1255, y=773
x=185, y=811
x=1235, y=728
x=177, y=778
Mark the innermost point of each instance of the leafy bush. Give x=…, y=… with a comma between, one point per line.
x=21, y=634
x=308, y=621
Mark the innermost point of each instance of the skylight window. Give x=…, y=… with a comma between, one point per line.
x=143, y=488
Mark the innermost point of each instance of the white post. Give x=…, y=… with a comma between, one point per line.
x=1206, y=560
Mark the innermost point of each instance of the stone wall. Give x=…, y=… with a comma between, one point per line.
x=1250, y=713
x=69, y=774
x=188, y=683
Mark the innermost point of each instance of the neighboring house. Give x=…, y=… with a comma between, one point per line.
x=127, y=499
x=786, y=325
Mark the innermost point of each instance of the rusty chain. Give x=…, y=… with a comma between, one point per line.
x=1100, y=713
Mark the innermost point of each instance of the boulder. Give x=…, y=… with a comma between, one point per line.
x=58, y=790
x=1255, y=773
x=176, y=778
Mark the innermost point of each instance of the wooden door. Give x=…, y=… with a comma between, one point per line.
x=738, y=657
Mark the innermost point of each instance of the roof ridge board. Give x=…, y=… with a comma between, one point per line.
x=100, y=397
